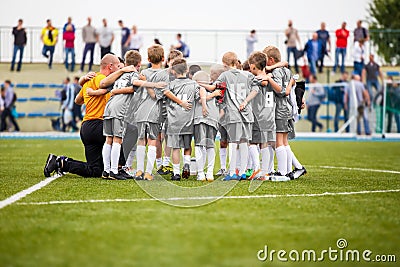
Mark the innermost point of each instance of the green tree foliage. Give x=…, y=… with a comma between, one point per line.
x=385, y=28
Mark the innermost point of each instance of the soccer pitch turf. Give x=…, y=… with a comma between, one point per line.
x=351, y=192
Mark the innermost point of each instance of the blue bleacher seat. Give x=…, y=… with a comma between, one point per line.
x=35, y=114
x=38, y=85
x=22, y=99
x=38, y=98
x=54, y=99
x=324, y=117
x=22, y=85
x=53, y=114
x=55, y=85
x=21, y=114
x=393, y=73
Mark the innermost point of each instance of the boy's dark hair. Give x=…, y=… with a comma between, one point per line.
x=7, y=81
x=259, y=59
x=253, y=31
x=193, y=69
x=179, y=66
x=132, y=58
x=246, y=65
x=155, y=54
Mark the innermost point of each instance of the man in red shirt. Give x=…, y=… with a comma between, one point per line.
x=342, y=35
x=69, y=38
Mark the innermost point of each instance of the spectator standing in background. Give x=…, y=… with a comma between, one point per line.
x=67, y=106
x=135, y=40
x=323, y=36
x=69, y=22
x=360, y=32
x=76, y=110
x=105, y=37
x=19, y=44
x=341, y=46
x=90, y=39
x=358, y=56
x=49, y=38
x=292, y=37
x=370, y=74
x=125, y=33
x=251, y=39
x=313, y=48
x=69, y=38
x=181, y=46
x=315, y=97
x=9, y=101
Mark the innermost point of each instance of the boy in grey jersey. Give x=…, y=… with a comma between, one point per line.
x=147, y=114
x=181, y=93
x=206, y=116
x=238, y=123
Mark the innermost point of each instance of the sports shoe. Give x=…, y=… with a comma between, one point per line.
x=210, y=178
x=51, y=165
x=147, y=176
x=124, y=173
x=201, y=177
x=221, y=172
x=186, y=171
x=255, y=174
x=105, y=175
x=290, y=175
x=299, y=172
x=139, y=175
x=164, y=170
x=233, y=177
x=176, y=177
x=129, y=171
x=243, y=177
x=117, y=176
x=249, y=172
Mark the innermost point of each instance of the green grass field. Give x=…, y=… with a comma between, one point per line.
x=140, y=231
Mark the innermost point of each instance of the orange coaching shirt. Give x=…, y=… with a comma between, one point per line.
x=94, y=104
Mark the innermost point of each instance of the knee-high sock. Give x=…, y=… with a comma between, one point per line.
x=238, y=159
x=141, y=153
x=271, y=159
x=289, y=154
x=107, y=157
x=200, y=160
x=244, y=153
x=296, y=163
x=264, y=160
x=222, y=157
x=210, y=161
x=255, y=157
x=115, y=151
x=232, y=158
x=129, y=160
x=151, y=157
x=281, y=156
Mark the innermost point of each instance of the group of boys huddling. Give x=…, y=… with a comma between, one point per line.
x=252, y=109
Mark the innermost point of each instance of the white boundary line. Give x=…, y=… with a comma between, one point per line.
x=358, y=169
x=208, y=197
x=24, y=193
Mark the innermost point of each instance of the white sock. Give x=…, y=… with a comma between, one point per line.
x=200, y=160
x=289, y=154
x=140, y=154
x=176, y=168
x=244, y=153
x=296, y=163
x=264, y=161
x=106, y=157
x=115, y=152
x=131, y=157
x=250, y=163
x=151, y=157
x=232, y=158
x=271, y=159
x=166, y=161
x=186, y=159
x=158, y=163
x=238, y=159
x=281, y=156
x=255, y=157
x=222, y=157
x=211, y=162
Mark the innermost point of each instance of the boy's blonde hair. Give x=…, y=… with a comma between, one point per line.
x=155, y=54
x=273, y=52
x=230, y=59
x=132, y=57
x=201, y=76
x=259, y=59
x=215, y=71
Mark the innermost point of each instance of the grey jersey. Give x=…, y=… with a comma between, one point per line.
x=118, y=106
x=263, y=106
x=180, y=121
x=283, y=109
x=213, y=112
x=148, y=108
x=238, y=86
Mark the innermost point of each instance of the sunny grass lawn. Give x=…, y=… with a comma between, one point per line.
x=228, y=232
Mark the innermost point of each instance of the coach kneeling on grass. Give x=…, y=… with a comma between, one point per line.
x=92, y=127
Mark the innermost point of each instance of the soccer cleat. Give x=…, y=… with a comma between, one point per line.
x=148, y=177
x=249, y=172
x=139, y=175
x=164, y=170
x=124, y=173
x=299, y=172
x=201, y=177
x=210, y=178
x=105, y=175
x=186, y=171
x=176, y=177
x=243, y=177
x=117, y=176
x=51, y=165
x=129, y=171
x=255, y=174
x=230, y=178
x=290, y=175
x=221, y=172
